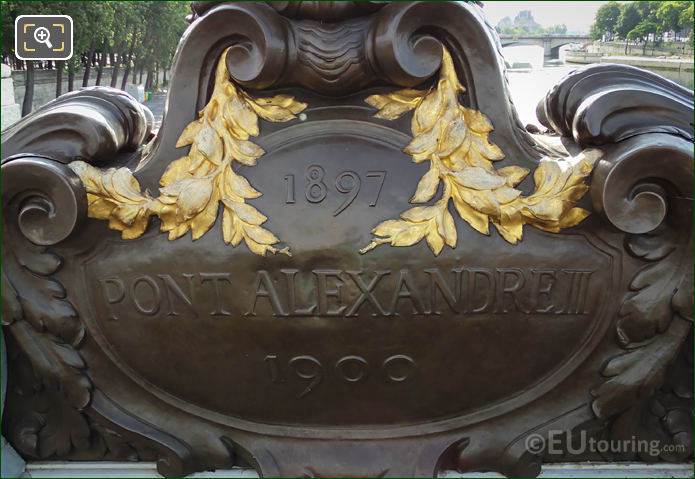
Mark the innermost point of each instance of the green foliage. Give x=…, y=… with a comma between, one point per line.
x=606, y=20
x=668, y=14
x=686, y=18
x=91, y=21
x=163, y=24
x=636, y=20
x=152, y=27
x=11, y=10
x=642, y=30
x=629, y=18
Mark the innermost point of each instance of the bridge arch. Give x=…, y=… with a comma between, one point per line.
x=551, y=43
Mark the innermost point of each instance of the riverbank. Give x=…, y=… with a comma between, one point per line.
x=673, y=64
x=663, y=49
x=45, y=84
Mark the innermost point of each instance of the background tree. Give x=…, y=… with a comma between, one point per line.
x=164, y=22
x=687, y=20
x=86, y=18
x=669, y=15
x=649, y=21
x=100, y=23
x=605, y=21
x=135, y=31
x=643, y=20
x=556, y=29
x=174, y=24
x=642, y=31
x=627, y=21
x=130, y=18
x=124, y=35
x=647, y=10
x=10, y=11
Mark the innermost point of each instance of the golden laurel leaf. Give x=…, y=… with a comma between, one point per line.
x=194, y=187
x=454, y=139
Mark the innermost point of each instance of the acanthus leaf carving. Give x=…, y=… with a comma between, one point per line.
x=643, y=187
x=659, y=287
x=662, y=418
x=634, y=375
x=50, y=392
x=40, y=318
x=44, y=425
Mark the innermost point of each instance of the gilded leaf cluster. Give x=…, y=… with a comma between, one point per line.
x=193, y=187
x=454, y=140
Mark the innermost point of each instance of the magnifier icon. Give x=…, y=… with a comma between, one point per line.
x=42, y=35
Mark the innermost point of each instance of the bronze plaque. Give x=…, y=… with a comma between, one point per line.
x=343, y=255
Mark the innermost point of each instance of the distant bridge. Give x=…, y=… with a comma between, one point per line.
x=551, y=43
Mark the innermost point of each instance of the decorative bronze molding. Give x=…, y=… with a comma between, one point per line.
x=643, y=187
x=95, y=124
x=331, y=363
x=604, y=104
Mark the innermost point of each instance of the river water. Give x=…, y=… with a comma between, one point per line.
x=529, y=85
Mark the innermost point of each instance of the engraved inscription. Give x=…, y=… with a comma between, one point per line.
x=315, y=187
x=349, y=369
x=347, y=183
x=326, y=292
x=325, y=331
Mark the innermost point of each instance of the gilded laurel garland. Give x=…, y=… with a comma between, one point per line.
x=451, y=137
x=194, y=186
x=454, y=140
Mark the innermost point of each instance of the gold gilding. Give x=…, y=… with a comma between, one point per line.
x=454, y=140
x=194, y=186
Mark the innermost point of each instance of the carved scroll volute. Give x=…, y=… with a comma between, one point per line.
x=643, y=182
x=607, y=103
x=335, y=55
x=43, y=204
x=398, y=45
x=642, y=186
x=44, y=210
x=45, y=199
x=400, y=51
x=405, y=48
x=258, y=56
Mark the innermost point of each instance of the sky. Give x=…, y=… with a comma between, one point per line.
x=578, y=16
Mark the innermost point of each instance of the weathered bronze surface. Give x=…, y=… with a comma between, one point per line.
x=401, y=361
